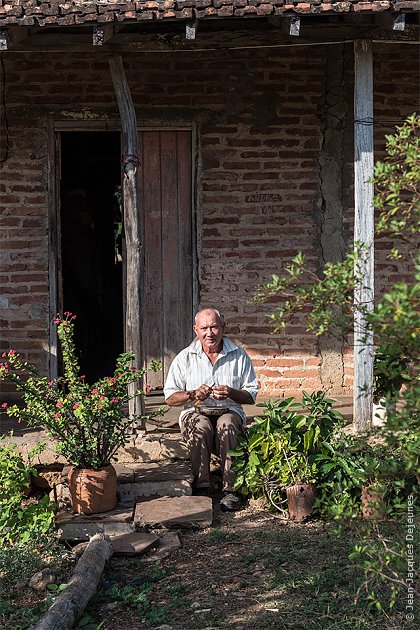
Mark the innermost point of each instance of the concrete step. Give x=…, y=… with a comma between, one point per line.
x=153, y=479
x=153, y=446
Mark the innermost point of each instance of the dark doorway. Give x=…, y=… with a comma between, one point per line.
x=91, y=247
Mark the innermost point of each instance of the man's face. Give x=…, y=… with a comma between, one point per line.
x=209, y=331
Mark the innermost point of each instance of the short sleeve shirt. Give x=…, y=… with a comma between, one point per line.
x=192, y=368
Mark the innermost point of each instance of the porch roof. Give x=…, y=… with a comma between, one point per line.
x=79, y=12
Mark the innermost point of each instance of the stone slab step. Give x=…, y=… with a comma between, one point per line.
x=133, y=544
x=174, y=512
x=153, y=447
x=168, y=541
x=153, y=479
x=80, y=527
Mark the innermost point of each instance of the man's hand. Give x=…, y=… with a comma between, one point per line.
x=241, y=396
x=221, y=392
x=203, y=392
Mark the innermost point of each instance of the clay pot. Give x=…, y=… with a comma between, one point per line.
x=93, y=491
x=300, y=500
x=373, y=505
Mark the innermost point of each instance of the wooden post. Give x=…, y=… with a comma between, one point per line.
x=132, y=227
x=363, y=231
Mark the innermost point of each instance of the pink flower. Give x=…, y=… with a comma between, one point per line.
x=57, y=321
x=102, y=398
x=4, y=405
x=111, y=379
x=83, y=376
x=59, y=404
x=114, y=400
x=12, y=352
x=75, y=406
x=4, y=355
x=57, y=415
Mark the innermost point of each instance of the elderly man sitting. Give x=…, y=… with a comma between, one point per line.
x=215, y=370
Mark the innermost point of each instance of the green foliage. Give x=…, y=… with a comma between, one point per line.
x=356, y=461
x=87, y=422
x=384, y=562
x=19, y=519
x=280, y=448
x=397, y=184
x=300, y=288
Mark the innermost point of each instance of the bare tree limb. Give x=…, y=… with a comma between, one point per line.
x=81, y=587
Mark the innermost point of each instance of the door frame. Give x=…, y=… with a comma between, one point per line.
x=54, y=130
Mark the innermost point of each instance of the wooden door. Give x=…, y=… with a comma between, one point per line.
x=168, y=244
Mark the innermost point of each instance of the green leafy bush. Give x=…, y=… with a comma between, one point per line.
x=280, y=448
x=20, y=519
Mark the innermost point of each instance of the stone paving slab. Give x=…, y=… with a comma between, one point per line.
x=133, y=544
x=168, y=542
x=80, y=527
x=174, y=512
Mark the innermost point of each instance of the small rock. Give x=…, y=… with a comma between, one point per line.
x=39, y=581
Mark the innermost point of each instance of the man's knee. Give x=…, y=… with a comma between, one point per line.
x=229, y=423
x=198, y=425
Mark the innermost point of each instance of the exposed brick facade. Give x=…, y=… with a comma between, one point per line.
x=260, y=122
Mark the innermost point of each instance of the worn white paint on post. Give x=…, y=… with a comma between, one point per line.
x=132, y=227
x=363, y=230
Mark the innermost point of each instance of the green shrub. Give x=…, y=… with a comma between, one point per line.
x=20, y=518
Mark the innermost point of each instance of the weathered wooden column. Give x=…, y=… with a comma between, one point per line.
x=363, y=231
x=132, y=226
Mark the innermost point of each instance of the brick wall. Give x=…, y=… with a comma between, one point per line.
x=260, y=131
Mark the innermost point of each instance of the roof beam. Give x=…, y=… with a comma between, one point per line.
x=21, y=39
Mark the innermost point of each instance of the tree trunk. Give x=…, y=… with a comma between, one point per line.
x=81, y=587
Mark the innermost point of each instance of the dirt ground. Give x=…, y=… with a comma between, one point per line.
x=250, y=571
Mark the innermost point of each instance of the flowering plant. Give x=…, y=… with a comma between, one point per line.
x=87, y=422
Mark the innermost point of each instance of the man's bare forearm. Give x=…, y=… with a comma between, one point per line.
x=240, y=396
x=181, y=398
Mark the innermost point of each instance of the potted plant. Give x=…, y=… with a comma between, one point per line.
x=278, y=452
x=88, y=423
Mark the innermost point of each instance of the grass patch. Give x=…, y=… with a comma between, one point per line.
x=20, y=606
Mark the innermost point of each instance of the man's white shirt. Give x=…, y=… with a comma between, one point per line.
x=192, y=368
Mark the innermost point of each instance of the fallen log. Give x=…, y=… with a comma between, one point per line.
x=82, y=586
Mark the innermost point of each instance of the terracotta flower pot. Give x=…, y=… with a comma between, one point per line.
x=373, y=504
x=93, y=491
x=300, y=500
